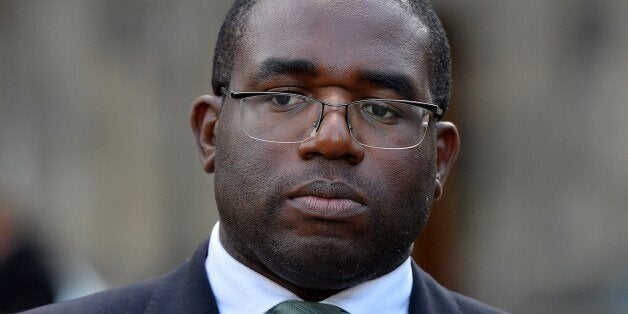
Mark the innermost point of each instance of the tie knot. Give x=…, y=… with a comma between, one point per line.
x=305, y=307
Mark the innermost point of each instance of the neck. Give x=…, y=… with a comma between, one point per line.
x=307, y=294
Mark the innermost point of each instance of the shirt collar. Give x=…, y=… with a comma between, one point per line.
x=239, y=289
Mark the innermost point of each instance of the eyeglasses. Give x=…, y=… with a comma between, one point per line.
x=279, y=117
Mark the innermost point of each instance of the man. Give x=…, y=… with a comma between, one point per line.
x=327, y=145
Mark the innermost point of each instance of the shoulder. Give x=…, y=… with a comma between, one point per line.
x=183, y=290
x=428, y=296
x=471, y=306
x=133, y=298
x=142, y=297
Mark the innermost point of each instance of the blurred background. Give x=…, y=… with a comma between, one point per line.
x=99, y=170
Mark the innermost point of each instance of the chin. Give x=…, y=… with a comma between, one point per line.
x=333, y=264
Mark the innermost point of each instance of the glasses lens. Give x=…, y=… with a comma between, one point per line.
x=387, y=124
x=278, y=117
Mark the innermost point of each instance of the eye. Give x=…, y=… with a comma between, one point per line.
x=284, y=100
x=380, y=110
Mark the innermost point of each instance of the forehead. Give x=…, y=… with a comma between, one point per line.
x=339, y=36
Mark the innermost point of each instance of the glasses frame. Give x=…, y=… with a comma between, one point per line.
x=437, y=111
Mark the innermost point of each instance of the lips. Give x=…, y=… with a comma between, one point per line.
x=329, y=200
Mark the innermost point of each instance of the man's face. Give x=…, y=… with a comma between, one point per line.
x=327, y=213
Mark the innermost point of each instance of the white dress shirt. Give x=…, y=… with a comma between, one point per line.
x=239, y=289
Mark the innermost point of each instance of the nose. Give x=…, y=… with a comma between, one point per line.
x=333, y=139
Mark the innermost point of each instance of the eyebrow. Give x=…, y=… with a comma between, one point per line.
x=280, y=66
x=398, y=82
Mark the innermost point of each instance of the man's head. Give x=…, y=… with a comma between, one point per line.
x=326, y=213
x=439, y=69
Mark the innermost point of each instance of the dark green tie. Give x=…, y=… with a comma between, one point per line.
x=304, y=307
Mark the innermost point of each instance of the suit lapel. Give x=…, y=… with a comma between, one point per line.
x=428, y=296
x=186, y=289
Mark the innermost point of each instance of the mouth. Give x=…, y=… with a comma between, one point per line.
x=327, y=200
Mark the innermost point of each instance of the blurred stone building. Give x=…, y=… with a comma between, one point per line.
x=94, y=136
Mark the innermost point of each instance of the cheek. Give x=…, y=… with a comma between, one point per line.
x=403, y=171
x=245, y=170
x=237, y=157
x=239, y=171
x=407, y=187
x=250, y=165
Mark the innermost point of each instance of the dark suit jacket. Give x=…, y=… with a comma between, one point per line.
x=187, y=290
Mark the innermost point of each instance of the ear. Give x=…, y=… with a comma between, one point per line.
x=447, y=145
x=203, y=117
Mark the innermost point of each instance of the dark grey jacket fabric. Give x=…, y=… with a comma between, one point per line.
x=187, y=290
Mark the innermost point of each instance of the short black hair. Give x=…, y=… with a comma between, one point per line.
x=438, y=50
